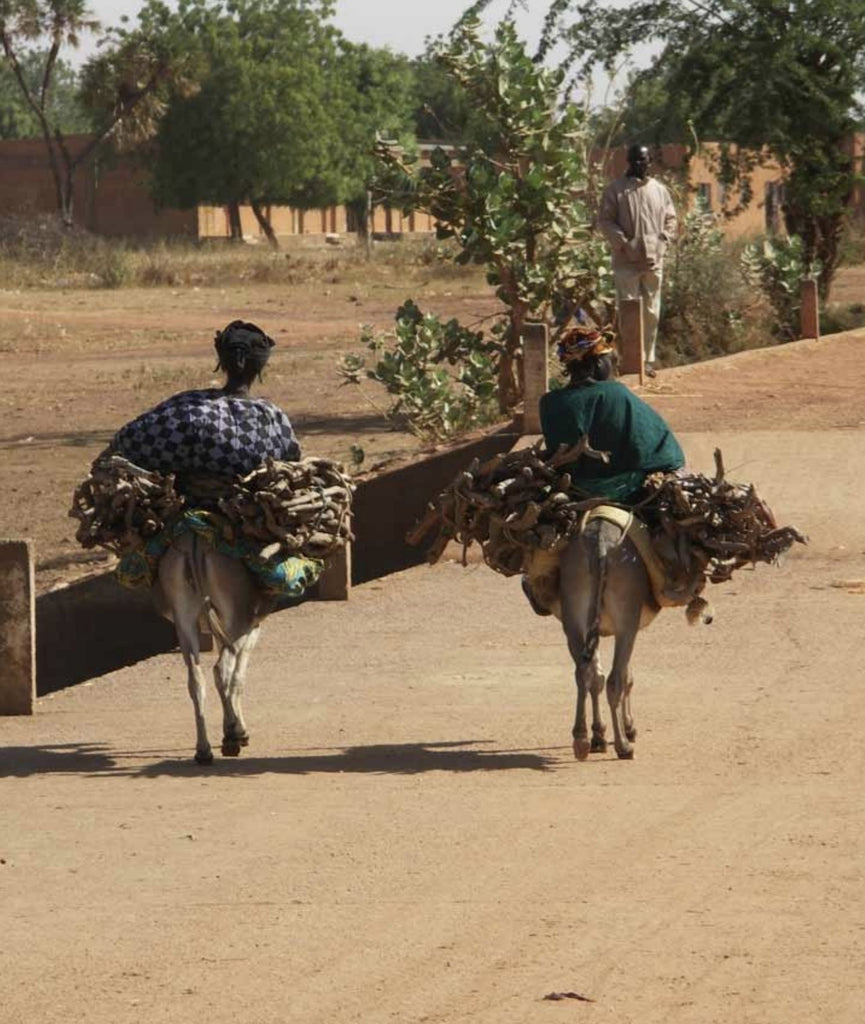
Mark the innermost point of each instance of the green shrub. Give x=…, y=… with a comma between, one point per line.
x=776, y=267
x=441, y=375
x=707, y=309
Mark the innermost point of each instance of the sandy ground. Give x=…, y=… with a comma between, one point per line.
x=408, y=838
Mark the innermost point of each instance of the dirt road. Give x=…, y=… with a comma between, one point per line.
x=408, y=838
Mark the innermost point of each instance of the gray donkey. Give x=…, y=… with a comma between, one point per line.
x=197, y=581
x=605, y=591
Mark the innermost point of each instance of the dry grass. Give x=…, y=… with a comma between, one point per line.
x=39, y=253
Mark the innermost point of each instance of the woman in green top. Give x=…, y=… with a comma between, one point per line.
x=638, y=440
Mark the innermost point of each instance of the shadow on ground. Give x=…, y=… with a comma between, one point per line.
x=384, y=759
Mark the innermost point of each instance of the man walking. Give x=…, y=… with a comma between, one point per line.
x=638, y=220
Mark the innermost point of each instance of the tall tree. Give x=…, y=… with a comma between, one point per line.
x=288, y=114
x=516, y=203
x=122, y=86
x=776, y=78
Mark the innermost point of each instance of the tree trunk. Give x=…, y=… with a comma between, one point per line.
x=263, y=219
x=234, y=226
x=361, y=210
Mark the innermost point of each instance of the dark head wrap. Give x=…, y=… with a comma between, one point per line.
x=242, y=347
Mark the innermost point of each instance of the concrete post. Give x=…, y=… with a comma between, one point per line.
x=17, y=629
x=809, y=314
x=334, y=584
x=536, y=374
x=631, y=341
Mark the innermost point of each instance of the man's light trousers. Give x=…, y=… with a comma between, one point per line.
x=633, y=283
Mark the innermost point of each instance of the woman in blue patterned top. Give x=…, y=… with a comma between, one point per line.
x=218, y=431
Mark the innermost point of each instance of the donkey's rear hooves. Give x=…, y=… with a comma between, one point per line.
x=231, y=748
x=204, y=757
x=626, y=755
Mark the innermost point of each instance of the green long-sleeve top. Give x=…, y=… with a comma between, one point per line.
x=616, y=421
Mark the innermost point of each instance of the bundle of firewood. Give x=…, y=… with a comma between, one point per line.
x=120, y=504
x=711, y=525
x=513, y=502
x=521, y=502
x=291, y=508
x=301, y=508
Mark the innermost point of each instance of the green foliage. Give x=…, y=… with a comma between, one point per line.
x=514, y=201
x=258, y=128
x=442, y=376
x=776, y=267
x=705, y=306
x=63, y=105
x=779, y=80
x=288, y=112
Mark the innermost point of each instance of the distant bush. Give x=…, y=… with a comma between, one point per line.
x=707, y=307
x=853, y=242
x=775, y=267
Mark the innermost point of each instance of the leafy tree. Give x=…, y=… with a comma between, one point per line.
x=516, y=204
x=288, y=113
x=375, y=89
x=123, y=86
x=17, y=120
x=778, y=79
x=443, y=111
x=260, y=129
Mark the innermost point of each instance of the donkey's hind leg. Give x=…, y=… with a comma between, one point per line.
x=230, y=675
x=577, y=614
x=619, y=684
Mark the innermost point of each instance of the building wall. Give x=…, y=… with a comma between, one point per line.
x=702, y=184
x=110, y=196
x=287, y=221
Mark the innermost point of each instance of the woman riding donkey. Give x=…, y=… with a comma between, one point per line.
x=636, y=440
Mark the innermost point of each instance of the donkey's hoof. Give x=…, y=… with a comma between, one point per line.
x=631, y=733
x=243, y=740
x=204, y=756
x=231, y=747
x=582, y=746
x=599, y=745
x=625, y=753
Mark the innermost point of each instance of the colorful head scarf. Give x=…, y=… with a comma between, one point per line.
x=579, y=342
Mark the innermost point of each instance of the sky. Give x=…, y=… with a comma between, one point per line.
x=402, y=25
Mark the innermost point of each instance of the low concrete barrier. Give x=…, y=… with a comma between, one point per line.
x=95, y=626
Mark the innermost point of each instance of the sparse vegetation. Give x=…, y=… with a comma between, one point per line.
x=40, y=253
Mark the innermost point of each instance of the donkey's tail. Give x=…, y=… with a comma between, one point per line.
x=596, y=552
x=195, y=575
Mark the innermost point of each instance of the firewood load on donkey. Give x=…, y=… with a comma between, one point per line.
x=206, y=500
x=607, y=531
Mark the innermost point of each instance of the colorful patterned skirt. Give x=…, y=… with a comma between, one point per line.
x=281, y=576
